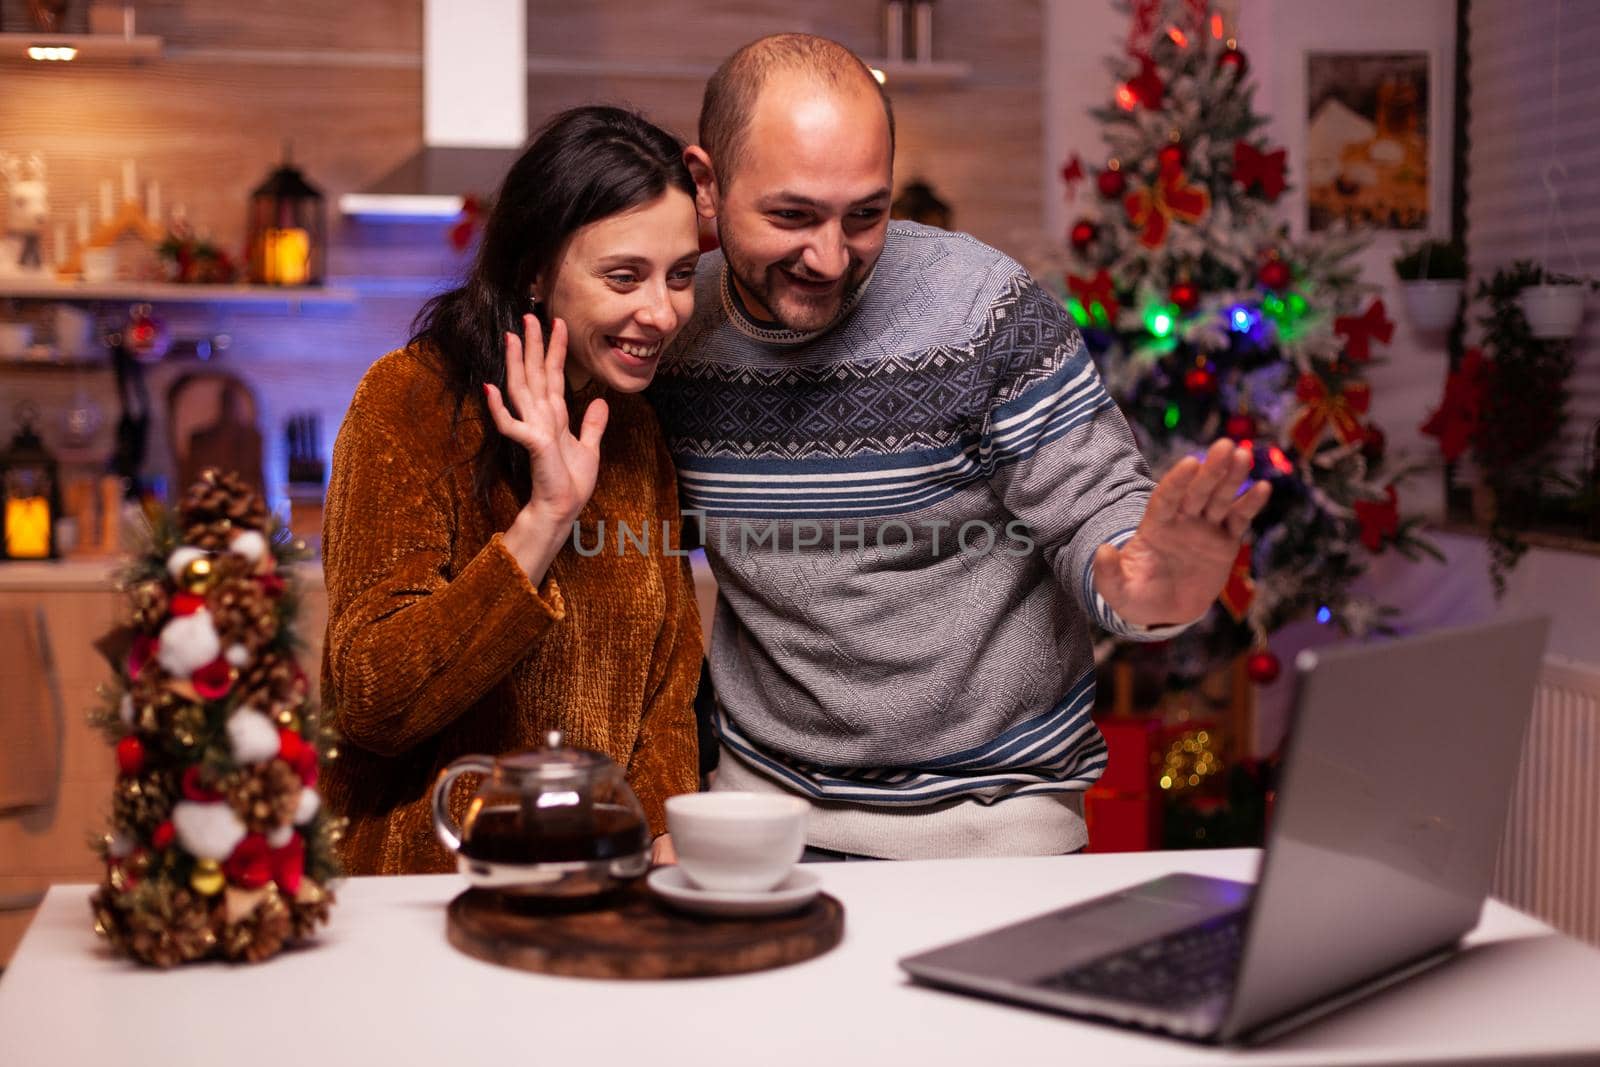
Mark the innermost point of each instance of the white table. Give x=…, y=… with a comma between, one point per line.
x=382, y=986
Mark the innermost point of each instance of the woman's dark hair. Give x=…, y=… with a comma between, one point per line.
x=585, y=164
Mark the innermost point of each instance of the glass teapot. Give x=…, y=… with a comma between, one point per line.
x=553, y=822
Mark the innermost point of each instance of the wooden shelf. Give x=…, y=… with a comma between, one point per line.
x=91, y=47
x=172, y=292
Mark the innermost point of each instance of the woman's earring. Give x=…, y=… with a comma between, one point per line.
x=538, y=307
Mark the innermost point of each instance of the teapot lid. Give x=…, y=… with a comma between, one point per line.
x=555, y=760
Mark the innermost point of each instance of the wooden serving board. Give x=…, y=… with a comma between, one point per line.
x=637, y=936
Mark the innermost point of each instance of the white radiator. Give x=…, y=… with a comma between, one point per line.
x=1550, y=856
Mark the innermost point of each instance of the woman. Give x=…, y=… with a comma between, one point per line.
x=461, y=616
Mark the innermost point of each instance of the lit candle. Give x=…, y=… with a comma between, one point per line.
x=153, y=201
x=130, y=190
x=28, y=528
x=106, y=207
x=287, y=256
x=83, y=224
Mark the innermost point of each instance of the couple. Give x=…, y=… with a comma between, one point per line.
x=865, y=419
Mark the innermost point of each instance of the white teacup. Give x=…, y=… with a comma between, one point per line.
x=737, y=842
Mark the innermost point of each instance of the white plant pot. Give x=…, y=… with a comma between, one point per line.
x=1553, y=311
x=1431, y=303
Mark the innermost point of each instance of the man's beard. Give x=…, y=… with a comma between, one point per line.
x=792, y=309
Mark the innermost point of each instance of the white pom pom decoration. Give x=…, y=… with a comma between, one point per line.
x=279, y=837
x=237, y=656
x=250, y=544
x=181, y=557
x=251, y=736
x=306, y=810
x=207, y=831
x=188, y=643
x=125, y=710
x=119, y=847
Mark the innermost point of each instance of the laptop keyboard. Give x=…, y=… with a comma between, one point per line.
x=1189, y=965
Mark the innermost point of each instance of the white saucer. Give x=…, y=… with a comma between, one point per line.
x=793, y=893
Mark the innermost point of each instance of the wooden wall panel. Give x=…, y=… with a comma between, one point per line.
x=344, y=82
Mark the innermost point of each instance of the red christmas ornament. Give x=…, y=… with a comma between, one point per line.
x=1372, y=446
x=1171, y=157
x=213, y=681
x=1083, y=233
x=1111, y=183
x=1186, y=295
x=1072, y=171
x=250, y=865
x=1233, y=60
x=1379, y=519
x=163, y=836
x=1240, y=427
x=1263, y=667
x=1275, y=275
x=130, y=755
x=271, y=585
x=1200, y=381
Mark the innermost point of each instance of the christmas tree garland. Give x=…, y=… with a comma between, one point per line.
x=218, y=845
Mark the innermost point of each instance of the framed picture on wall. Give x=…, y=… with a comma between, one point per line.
x=1367, y=140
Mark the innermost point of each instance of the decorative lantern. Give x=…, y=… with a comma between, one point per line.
x=288, y=219
x=30, y=494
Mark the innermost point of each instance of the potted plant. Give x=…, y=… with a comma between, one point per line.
x=1553, y=305
x=1432, y=276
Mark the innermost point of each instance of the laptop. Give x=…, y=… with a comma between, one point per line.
x=1395, y=783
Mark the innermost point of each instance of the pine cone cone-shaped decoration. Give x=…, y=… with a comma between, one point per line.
x=150, y=602
x=309, y=910
x=140, y=803
x=243, y=614
x=157, y=927
x=159, y=710
x=264, y=797
x=260, y=934
x=272, y=685
x=218, y=506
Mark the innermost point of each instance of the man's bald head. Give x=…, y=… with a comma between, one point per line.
x=731, y=94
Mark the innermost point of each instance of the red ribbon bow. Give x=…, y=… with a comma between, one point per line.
x=1358, y=331
x=1095, y=290
x=1240, y=589
x=1324, y=407
x=1072, y=173
x=1251, y=165
x=1380, y=520
x=1153, y=208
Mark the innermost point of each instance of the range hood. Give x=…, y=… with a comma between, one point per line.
x=474, y=112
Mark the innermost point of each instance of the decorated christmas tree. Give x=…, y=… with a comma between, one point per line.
x=1208, y=320
x=218, y=843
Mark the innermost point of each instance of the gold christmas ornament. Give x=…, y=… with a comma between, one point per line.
x=198, y=575
x=207, y=879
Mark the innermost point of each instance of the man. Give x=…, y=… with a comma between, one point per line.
x=917, y=499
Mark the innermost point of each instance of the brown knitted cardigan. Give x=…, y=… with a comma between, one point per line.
x=438, y=645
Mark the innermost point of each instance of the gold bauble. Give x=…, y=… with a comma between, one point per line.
x=207, y=878
x=199, y=575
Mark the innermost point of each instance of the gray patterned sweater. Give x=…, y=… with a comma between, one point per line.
x=901, y=514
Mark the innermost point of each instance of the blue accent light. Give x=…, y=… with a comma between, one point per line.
x=1241, y=319
x=1324, y=616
